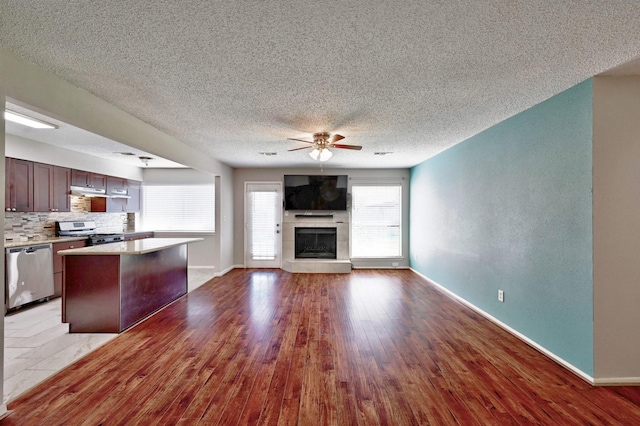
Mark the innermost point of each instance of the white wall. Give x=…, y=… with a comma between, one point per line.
x=616, y=228
x=240, y=176
x=28, y=149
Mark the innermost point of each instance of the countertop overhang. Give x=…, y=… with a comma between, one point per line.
x=143, y=246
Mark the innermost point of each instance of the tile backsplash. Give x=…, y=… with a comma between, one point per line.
x=22, y=226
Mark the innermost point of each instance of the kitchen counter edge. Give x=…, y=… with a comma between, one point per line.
x=146, y=245
x=50, y=240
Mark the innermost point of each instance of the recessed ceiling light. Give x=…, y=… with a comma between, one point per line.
x=27, y=121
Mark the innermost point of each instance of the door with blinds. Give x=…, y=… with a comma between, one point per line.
x=263, y=226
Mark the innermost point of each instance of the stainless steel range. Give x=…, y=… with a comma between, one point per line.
x=86, y=228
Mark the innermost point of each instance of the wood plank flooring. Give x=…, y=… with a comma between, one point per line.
x=367, y=348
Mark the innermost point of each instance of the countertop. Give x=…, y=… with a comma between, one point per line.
x=53, y=240
x=143, y=246
x=36, y=241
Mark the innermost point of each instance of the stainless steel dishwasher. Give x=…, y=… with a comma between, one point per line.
x=29, y=275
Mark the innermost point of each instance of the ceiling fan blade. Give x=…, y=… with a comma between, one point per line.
x=335, y=138
x=356, y=147
x=297, y=149
x=299, y=140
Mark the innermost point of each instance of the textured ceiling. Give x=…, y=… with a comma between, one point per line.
x=236, y=78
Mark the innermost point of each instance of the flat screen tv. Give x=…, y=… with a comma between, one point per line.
x=314, y=192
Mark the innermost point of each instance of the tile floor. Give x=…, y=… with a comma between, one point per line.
x=37, y=344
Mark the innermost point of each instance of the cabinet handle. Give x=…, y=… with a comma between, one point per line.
x=13, y=209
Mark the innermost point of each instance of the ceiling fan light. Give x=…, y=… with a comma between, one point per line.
x=322, y=154
x=325, y=154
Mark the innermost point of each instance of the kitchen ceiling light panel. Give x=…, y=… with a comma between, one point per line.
x=27, y=121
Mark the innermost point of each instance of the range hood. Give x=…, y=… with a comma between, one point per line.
x=87, y=191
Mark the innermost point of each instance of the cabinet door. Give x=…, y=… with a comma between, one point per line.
x=116, y=184
x=88, y=179
x=61, y=182
x=133, y=203
x=7, y=183
x=51, y=188
x=80, y=178
x=42, y=187
x=97, y=181
x=20, y=185
x=58, y=263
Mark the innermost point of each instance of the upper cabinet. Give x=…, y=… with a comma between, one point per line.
x=88, y=179
x=51, y=188
x=39, y=187
x=122, y=196
x=133, y=203
x=19, y=185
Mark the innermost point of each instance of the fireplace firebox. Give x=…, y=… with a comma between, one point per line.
x=315, y=243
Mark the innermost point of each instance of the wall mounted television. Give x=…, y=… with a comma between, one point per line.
x=315, y=192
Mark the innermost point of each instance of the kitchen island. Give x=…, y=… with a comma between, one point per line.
x=110, y=287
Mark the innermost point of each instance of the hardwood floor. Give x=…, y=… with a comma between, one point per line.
x=270, y=347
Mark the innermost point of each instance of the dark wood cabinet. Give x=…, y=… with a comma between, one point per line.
x=58, y=262
x=19, y=185
x=51, y=188
x=123, y=196
x=88, y=179
x=61, y=182
x=128, y=288
x=133, y=203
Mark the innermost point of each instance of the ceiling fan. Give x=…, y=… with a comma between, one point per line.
x=322, y=141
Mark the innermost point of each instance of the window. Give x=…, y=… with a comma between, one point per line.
x=178, y=207
x=376, y=215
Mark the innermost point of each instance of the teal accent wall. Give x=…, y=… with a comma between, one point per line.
x=511, y=209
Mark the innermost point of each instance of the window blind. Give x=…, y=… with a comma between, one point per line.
x=376, y=217
x=178, y=207
x=263, y=243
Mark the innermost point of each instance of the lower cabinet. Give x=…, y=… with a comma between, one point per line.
x=58, y=262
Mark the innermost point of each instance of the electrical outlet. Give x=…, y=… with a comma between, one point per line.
x=500, y=296
x=394, y=264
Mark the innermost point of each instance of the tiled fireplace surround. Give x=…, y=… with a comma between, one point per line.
x=338, y=220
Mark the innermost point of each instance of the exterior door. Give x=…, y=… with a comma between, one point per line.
x=263, y=226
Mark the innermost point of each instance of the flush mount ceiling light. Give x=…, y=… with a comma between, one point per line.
x=27, y=121
x=145, y=160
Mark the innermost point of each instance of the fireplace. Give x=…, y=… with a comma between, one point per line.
x=315, y=243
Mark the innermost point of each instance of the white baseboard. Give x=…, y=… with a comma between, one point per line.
x=617, y=381
x=516, y=333
x=226, y=271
